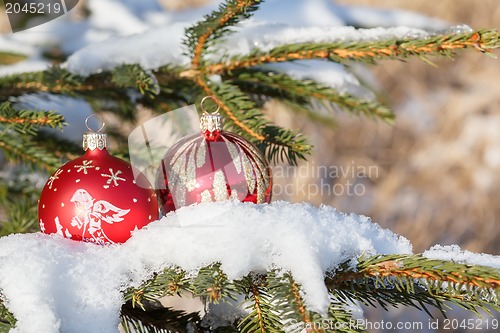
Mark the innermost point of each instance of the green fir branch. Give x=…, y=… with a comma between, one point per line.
x=365, y=51
x=418, y=281
x=275, y=302
x=60, y=80
x=133, y=76
x=156, y=319
x=201, y=36
x=243, y=116
x=20, y=83
x=26, y=150
x=303, y=92
x=28, y=121
x=211, y=283
x=7, y=319
x=263, y=316
x=171, y=281
x=20, y=216
x=287, y=297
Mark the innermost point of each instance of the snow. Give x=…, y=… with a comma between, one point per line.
x=375, y=17
x=122, y=20
x=265, y=36
x=54, y=285
x=143, y=33
x=23, y=67
x=456, y=254
x=157, y=47
x=160, y=46
x=327, y=12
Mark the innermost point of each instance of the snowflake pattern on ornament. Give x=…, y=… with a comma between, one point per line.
x=83, y=167
x=54, y=177
x=112, y=177
x=92, y=213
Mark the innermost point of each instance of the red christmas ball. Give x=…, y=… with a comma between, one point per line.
x=210, y=166
x=95, y=197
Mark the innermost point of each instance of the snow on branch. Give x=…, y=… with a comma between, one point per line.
x=51, y=284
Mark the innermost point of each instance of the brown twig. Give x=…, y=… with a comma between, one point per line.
x=394, y=268
x=228, y=111
x=195, y=62
x=256, y=296
x=17, y=120
x=369, y=52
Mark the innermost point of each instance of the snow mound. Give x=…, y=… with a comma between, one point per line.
x=54, y=285
x=157, y=47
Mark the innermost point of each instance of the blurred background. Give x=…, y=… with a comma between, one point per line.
x=433, y=177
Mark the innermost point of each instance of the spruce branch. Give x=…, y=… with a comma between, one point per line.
x=58, y=80
x=262, y=317
x=21, y=216
x=53, y=80
x=28, y=151
x=341, y=52
x=211, y=283
x=27, y=121
x=302, y=92
x=244, y=116
x=157, y=320
x=133, y=76
x=287, y=297
x=214, y=25
x=7, y=320
x=416, y=281
x=275, y=300
x=171, y=281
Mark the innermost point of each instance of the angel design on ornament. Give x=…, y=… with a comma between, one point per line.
x=91, y=213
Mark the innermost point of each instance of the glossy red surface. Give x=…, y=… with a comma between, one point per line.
x=95, y=198
x=212, y=167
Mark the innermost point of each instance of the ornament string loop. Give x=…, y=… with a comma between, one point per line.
x=215, y=99
x=211, y=123
x=88, y=126
x=94, y=139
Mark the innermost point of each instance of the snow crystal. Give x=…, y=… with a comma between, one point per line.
x=52, y=284
x=455, y=253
